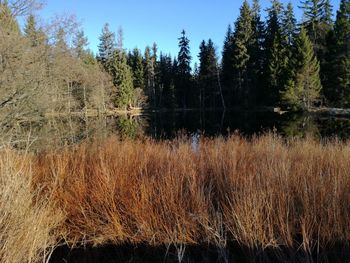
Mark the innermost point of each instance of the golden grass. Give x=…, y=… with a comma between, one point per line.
x=261, y=193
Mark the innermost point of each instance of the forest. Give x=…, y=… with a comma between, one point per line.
x=47, y=68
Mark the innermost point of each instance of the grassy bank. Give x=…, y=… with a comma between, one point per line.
x=263, y=193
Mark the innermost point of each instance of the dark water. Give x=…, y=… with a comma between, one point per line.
x=232, y=252
x=167, y=125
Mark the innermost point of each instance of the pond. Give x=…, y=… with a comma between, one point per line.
x=168, y=125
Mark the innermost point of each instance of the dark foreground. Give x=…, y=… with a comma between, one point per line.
x=232, y=253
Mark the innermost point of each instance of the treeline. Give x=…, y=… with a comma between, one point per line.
x=273, y=62
x=277, y=62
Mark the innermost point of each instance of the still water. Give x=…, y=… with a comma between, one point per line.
x=167, y=125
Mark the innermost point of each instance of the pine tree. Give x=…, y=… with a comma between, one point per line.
x=106, y=47
x=183, y=85
x=303, y=89
x=276, y=63
x=337, y=89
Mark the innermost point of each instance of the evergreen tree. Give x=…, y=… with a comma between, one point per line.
x=289, y=24
x=80, y=43
x=303, y=89
x=209, y=94
x=337, y=89
x=157, y=91
x=318, y=22
x=227, y=66
x=257, y=54
x=166, y=83
x=136, y=64
x=106, y=47
x=243, y=45
x=183, y=85
x=327, y=12
x=276, y=63
x=31, y=32
x=149, y=72
x=122, y=79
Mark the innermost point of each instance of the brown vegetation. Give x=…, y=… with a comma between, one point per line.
x=261, y=193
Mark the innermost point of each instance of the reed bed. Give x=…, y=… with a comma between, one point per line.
x=261, y=193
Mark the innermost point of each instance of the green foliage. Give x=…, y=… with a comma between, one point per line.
x=303, y=89
x=289, y=24
x=338, y=81
x=149, y=75
x=318, y=22
x=136, y=63
x=122, y=79
x=243, y=45
x=183, y=79
x=257, y=53
x=208, y=76
x=106, y=47
x=276, y=64
x=167, y=97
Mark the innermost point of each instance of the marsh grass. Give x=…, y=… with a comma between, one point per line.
x=262, y=193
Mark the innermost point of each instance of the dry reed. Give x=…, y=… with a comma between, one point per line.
x=261, y=193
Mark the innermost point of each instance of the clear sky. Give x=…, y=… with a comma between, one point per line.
x=160, y=21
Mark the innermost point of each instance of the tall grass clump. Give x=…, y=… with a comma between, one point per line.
x=262, y=193
x=28, y=221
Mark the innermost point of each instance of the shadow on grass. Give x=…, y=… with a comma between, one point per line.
x=231, y=253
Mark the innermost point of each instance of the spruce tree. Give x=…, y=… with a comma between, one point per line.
x=243, y=44
x=183, y=85
x=318, y=22
x=227, y=66
x=31, y=32
x=106, y=47
x=136, y=64
x=337, y=89
x=166, y=82
x=80, y=43
x=289, y=24
x=257, y=53
x=157, y=90
x=209, y=94
x=276, y=63
x=303, y=89
x=149, y=71
x=122, y=79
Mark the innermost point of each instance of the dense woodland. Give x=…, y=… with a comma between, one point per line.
x=277, y=61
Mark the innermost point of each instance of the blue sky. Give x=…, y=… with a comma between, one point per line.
x=160, y=21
